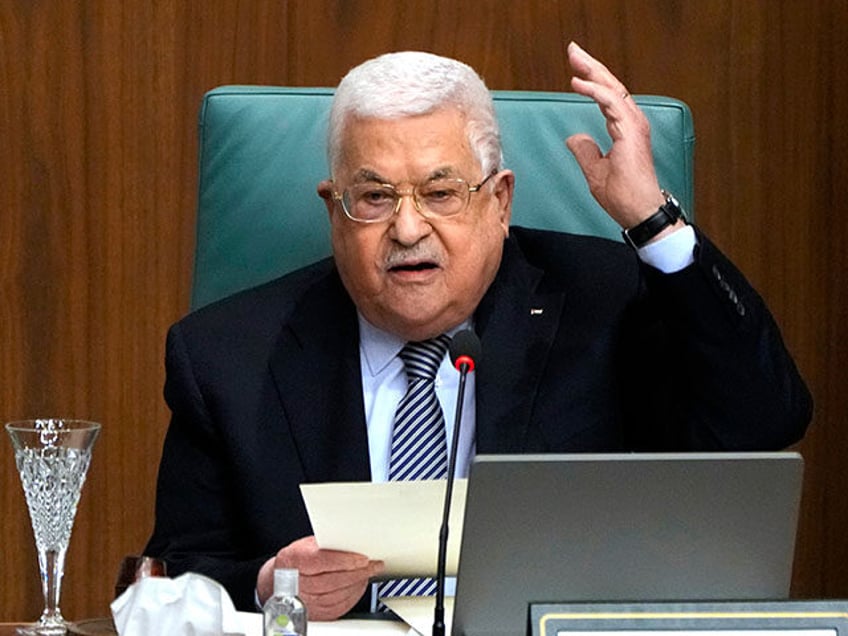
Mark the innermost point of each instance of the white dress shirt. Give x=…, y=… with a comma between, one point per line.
x=384, y=384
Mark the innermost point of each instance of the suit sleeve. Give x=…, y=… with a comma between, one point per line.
x=720, y=369
x=196, y=528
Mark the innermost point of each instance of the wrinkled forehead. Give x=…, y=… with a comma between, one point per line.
x=435, y=143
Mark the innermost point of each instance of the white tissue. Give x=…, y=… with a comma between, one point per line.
x=189, y=605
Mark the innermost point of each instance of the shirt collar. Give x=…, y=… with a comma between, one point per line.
x=379, y=348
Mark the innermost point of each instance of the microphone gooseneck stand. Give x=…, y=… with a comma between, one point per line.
x=464, y=349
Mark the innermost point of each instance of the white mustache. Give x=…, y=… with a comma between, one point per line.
x=418, y=253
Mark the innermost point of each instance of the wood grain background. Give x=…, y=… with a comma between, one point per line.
x=98, y=106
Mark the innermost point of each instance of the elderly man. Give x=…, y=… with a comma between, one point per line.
x=589, y=344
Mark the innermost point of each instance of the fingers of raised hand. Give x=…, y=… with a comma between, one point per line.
x=594, y=80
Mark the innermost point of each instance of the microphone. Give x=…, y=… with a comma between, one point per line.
x=464, y=353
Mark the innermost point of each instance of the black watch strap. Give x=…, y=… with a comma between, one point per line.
x=667, y=214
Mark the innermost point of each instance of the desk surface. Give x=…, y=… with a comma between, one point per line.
x=95, y=627
x=335, y=628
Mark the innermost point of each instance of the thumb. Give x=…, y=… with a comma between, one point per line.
x=376, y=568
x=585, y=151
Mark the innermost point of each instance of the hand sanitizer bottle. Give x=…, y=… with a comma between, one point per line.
x=284, y=612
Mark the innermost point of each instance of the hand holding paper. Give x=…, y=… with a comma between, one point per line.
x=395, y=522
x=331, y=581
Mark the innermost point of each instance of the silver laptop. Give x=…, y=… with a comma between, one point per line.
x=623, y=527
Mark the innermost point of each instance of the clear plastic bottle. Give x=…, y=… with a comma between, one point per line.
x=284, y=612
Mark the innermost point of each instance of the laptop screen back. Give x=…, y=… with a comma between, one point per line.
x=623, y=527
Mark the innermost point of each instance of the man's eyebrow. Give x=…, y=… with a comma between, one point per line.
x=365, y=176
x=442, y=172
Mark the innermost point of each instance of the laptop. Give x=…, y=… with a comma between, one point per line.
x=623, y=527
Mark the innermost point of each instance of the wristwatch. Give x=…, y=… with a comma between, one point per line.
x=667, y=214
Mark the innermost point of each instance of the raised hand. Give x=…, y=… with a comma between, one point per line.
x=623, y=180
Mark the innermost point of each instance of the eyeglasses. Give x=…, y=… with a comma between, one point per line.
x=436, y=198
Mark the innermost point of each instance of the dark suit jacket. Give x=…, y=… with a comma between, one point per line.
x=584, y=349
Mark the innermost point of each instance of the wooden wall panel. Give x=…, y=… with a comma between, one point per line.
x=98, y=104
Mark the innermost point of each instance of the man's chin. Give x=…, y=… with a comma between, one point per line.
x=418, y=324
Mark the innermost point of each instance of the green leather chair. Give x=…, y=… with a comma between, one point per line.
x=262, y=152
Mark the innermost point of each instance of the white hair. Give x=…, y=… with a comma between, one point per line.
x=412, y=83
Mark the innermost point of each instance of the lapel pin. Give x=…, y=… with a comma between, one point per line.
x=536, y=311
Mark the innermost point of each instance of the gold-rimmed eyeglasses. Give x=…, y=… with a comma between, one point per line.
x=373, y=202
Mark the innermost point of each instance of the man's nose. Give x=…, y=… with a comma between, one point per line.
x=408, y=225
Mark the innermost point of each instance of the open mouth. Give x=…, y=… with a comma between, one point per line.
x=413, y=267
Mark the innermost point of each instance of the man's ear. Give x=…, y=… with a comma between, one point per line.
x=325, y=191
x=504, y=189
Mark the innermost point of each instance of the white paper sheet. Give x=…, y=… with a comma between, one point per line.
x=396, y=522
x=353, y=627
x=417, y=611
x=252, y=624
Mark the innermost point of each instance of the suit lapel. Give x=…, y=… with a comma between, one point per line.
x=517, y=324
x=316, y=370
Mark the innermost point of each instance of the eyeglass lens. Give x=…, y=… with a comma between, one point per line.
x=439, y=197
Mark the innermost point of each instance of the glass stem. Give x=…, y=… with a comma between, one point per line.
x=52, y=566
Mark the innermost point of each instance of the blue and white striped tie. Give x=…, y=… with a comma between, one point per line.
x=419, y=440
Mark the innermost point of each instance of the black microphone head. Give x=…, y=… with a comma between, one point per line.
x=465, y=348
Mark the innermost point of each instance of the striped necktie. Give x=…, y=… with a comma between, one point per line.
x=419, y=440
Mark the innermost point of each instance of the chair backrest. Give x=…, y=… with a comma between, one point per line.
x=262, y=153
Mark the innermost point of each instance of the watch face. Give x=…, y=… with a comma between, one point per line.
x=672, y=205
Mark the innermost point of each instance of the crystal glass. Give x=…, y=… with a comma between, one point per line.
x=52, y=456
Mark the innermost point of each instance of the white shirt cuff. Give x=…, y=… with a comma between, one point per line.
x=671, y=253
